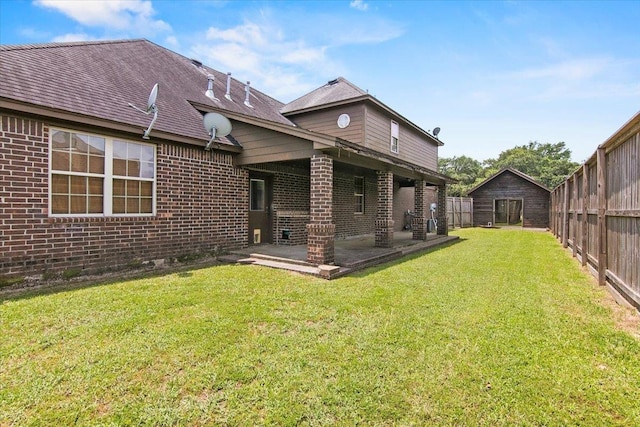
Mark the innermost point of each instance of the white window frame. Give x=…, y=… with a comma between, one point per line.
x=359, y=195
x=108, y=177
x=395, y=137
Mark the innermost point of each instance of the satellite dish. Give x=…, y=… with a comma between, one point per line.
x=151, y=108
x=151, y=103
x=436, y=131
x=216, y=125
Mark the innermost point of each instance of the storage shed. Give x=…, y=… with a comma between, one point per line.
x=512, y=198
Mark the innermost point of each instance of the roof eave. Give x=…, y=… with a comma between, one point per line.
x=64, y=116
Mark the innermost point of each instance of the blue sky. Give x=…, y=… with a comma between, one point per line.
x=491, y=75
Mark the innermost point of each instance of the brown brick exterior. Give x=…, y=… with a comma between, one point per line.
x=419, y=225
x=202, y=204
x=348, y=223
x=321, y=230
x=384, y=217
x=443, y=223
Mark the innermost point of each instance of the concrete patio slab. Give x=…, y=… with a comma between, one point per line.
x=351, y=254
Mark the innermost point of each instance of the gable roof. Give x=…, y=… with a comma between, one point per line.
x=335, y=91
x=513, y=171
x=341, y=91
x=97, y=80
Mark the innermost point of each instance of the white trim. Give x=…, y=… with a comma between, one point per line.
x=395, y=137
x=107, y=189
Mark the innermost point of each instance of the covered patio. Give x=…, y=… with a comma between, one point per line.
x=351, y=254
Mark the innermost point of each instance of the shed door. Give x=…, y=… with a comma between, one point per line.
x=260, y=218
x=507, y=211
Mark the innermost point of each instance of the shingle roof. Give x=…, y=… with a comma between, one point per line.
x=337, y=90
x=99, y=79
x=513, y=171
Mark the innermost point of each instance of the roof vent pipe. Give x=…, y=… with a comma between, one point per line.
x=228, y=94
x=209, y=91
x=247, y=90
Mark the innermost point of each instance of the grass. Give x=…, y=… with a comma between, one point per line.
x=502, y=328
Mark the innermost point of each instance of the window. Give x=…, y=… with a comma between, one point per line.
x=96, y=176
x=358, y=192
x=257, y=195
x=395, y=132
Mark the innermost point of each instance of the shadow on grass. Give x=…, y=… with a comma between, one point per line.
x=86, y=282
x=366, y=271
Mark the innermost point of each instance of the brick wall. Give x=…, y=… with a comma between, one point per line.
x=348, y=223
x=202, y=204
x=291, y=185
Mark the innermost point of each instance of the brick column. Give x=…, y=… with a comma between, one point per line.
x=321, y=230
x=419, y=222
x=443, y=225
x=384, y=217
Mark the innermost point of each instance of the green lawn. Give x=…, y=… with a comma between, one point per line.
x=502, y=328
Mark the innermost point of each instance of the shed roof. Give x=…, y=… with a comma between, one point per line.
x=513, y=171
x=99, y=79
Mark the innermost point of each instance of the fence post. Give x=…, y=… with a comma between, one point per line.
x=574, y=215
x=565, y=216
x=602, y=219
x=585, y=212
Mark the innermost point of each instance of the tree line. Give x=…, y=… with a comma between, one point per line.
x=549, y=164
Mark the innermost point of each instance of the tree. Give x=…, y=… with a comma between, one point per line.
x=464, y=169
x=548, y=164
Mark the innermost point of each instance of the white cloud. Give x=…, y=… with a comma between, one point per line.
x=359, y=4
x=573, y=70
x=262, y=53
x=136, y=15
x=72, y=37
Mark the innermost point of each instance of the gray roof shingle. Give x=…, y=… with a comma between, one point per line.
x=99, y=79
x=334, y=91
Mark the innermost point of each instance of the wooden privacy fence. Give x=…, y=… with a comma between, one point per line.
x=460, y=212
x=596, y=212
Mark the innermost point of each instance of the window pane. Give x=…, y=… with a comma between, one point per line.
x=146, y=188
x=96, y=164
x=78, y=204
x=118, y=205
x=146, y=153
x=133, y=205
x=79, y=143
x=79, y=162
x=78, y=185
x=60, y=204
x=146, y=170
x=133, y=151
x=133, y=168
x=257, y=195
x=133, y=188
x=120, y=167
x=96, y=146
x=119, y=150
x=146, y=205
x=60, y=161
x=119, y=187
x=96, y=186
x=60, y=140
x=60, y=184
x=95, y=204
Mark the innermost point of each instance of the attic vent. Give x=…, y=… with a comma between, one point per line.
x=332, y=82
x=196, y=63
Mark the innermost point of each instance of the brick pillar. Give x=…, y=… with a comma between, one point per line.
x=321, y=230
x=384, y=217
x=419, y=222
x=443, y=225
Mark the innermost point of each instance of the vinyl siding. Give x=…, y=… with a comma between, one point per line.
x=411, y=146
x=326, y=121
x=263, y=145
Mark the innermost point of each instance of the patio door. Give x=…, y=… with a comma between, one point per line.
x=507, y=211
x=260, y=215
